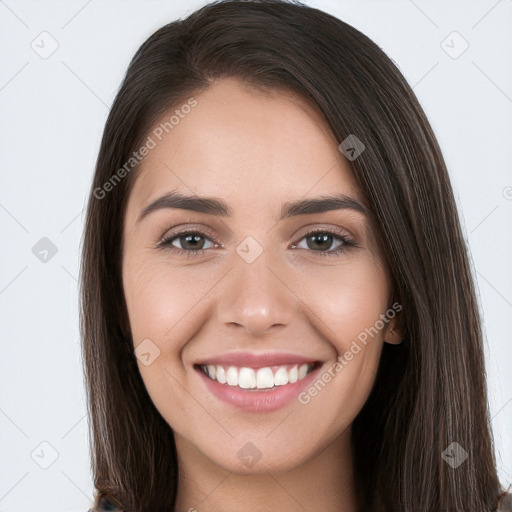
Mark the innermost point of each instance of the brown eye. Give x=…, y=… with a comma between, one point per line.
x=191, y=242
x=320, y=241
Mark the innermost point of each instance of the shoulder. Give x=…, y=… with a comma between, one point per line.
x=105, y=505
x=505, y=503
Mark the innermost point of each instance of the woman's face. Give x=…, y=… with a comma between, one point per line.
x=263, y=301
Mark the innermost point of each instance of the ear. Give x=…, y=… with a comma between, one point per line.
x=393, y=332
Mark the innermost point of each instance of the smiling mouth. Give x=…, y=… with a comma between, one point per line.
x=265, y=378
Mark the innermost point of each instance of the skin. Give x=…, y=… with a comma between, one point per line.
x=255, y=150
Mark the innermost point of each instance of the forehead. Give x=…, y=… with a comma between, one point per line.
x=253, y=148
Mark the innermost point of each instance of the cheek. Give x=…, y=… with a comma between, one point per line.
x=333, y=400
x=163, y=305
x=166, y=305
x=349, y=304
x=349, y=300
x=161, y=300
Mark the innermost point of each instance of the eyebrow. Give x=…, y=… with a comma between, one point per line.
x=216, y=206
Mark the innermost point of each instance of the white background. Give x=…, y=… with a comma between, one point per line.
x=52, y=113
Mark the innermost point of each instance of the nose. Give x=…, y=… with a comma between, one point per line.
x=256, y=296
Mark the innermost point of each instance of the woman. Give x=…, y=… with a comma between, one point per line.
x=278, y=312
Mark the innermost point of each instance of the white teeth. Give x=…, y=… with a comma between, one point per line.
x=220, y=374
x=246, y=378
x=281, y=377
x=211, y=371
x=262, y=378
x=232, y=376
x=303, y=370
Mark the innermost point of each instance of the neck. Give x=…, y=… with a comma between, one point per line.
x=324, y=482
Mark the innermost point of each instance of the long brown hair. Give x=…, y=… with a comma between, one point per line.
x=430, y=391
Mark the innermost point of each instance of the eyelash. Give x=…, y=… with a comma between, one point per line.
x=166, y=243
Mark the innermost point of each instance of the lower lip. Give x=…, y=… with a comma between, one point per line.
x=252, y=400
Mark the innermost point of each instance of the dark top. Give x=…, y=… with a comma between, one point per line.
x=106, y=505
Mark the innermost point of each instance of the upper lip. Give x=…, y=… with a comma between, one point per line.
x=255, y=360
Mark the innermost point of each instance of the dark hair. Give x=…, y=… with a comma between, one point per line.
x=431, y=390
